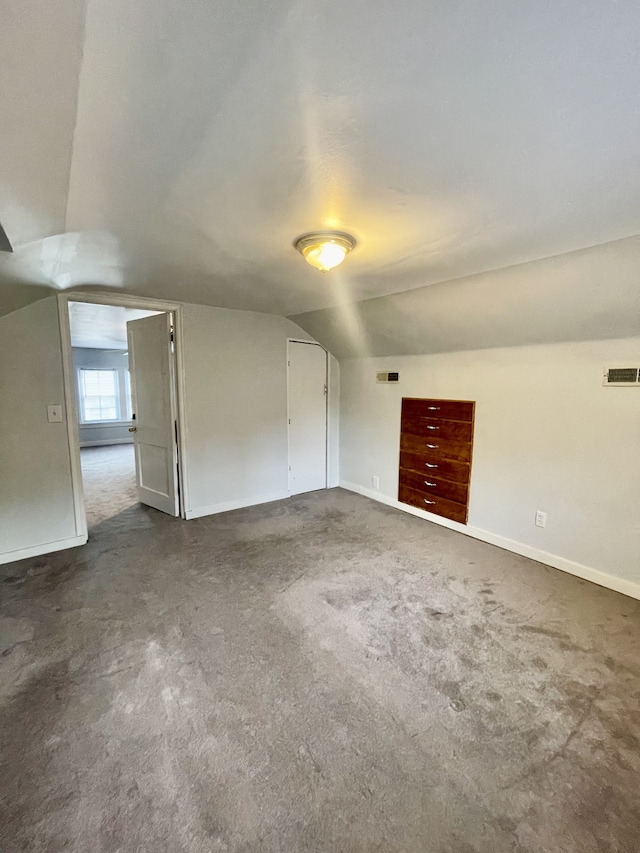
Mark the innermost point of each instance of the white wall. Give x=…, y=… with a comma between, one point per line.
x=236, y=421
x=548, y=436
x=236, y=408
x=36, y=499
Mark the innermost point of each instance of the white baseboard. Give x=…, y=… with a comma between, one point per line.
x=46, y=548
x=240, y=504
x=105, y=442
x=585, y=572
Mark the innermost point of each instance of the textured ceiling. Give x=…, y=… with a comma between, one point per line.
x=450, y=138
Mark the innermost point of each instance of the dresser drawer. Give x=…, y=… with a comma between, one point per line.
x=436, y=428
x=457, y=410
x=436, y=447
x=430, y=485
x=440, y=506
x=447, y=469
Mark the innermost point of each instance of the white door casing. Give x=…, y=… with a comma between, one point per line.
x=152, y=389
x=307, y=393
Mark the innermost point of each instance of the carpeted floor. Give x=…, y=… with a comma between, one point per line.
x=318, y=674
x=109, y=481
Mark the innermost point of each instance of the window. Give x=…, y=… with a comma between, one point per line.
x=99, y=395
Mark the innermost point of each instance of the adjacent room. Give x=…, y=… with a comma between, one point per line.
x=319, y=426
x=100, y=359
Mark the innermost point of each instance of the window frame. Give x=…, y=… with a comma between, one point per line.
x=82, y=397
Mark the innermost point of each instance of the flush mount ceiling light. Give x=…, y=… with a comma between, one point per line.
x=324, y=250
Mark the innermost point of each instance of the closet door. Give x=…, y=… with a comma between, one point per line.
x=307, y=390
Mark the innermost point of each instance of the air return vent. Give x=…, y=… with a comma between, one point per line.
x=629, y=376
x=388, y=377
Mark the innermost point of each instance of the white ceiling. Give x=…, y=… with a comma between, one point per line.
x=448, y=138
x=101, y=326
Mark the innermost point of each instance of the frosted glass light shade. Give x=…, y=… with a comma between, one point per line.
x=324, y=250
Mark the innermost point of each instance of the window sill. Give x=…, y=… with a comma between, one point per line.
x=102, y=424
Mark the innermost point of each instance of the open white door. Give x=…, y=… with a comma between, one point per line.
x=153, y=398
x=307, y=385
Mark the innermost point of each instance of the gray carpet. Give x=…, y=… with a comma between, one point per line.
x=109, y=481
x=318, y=674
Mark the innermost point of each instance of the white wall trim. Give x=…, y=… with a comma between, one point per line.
x=333, y=433
x=71, y=415
x=105, y=442
x=125, y=301
x=45, y=548
x=226, y=506
x=326, y=409
x=106, y=424
x=585, y=572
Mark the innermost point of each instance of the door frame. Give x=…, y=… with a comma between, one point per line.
x=326, y=410
x=70, y=395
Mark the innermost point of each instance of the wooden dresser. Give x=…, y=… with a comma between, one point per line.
x=436, y=445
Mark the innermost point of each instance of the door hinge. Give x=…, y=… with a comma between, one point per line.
x=326, y=390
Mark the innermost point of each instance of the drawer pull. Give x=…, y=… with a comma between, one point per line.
x=433, y=446
x=427, y=483
x=431, y=464
x=428, y=502
x=430, y=426
x=433, y=408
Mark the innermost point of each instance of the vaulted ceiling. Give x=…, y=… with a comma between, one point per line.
x=177, y=149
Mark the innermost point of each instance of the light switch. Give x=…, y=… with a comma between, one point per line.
x=54, y=414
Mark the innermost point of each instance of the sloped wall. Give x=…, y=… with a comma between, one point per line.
x=587, y=295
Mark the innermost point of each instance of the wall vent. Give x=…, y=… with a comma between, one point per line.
x=621, y=376
x=387, y=377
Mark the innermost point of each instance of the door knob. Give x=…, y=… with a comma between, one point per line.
x=133, y=429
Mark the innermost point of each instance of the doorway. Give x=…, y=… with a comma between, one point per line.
x=122, y=399
x=307, y=412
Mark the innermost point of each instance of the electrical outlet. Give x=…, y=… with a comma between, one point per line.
x=541, y=518
x=375, y=482
x=54, y=414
